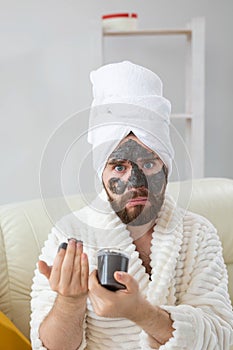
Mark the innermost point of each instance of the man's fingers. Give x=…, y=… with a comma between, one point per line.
x=44, y=268
x=81, y=268
x=126, y=279
x=93, y=281
x=68, y=264
x=70, y=271
x=76, y=275
x=56, y=269
x=95, y=287
x=84, y=271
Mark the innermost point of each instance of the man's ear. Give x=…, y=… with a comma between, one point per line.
x=165, y=172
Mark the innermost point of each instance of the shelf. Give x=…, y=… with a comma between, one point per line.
x=182, y=116
x=171, y=31
x=194, y=111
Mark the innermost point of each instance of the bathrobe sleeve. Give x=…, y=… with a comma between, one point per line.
x=42, y=297
x=203, y=318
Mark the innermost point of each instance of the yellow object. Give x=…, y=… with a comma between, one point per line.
x=10, y=337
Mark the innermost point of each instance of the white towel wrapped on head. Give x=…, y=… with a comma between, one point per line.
x=128, y=98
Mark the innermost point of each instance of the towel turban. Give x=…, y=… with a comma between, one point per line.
x=128, y=98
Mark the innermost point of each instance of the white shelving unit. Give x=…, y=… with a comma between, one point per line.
x=195, y=83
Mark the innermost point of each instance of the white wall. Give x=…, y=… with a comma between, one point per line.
x=48, y=49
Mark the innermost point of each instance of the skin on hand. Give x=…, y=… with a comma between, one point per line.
x=121, y=303
x=69, y=274
x=63, y=326
x=129, y=303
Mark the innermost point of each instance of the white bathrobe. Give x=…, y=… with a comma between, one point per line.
x=188, y=279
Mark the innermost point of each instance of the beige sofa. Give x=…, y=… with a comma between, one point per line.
x=25, y=226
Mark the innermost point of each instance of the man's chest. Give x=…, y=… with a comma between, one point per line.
x=144, y=249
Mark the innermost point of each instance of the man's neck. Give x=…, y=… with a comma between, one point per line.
x=136, y=232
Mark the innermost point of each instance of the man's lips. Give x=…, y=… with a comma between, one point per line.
x=136, y=201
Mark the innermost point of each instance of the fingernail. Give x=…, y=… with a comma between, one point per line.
x=84, y=257
x=79, y=244
x=119, y=274
x=63, y=245
x=76, y=240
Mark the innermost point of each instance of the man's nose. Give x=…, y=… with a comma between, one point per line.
x=137, y=178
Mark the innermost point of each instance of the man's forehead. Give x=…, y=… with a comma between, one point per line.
x=131, y=149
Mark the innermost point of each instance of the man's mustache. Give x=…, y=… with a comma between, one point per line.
x=140, y=192
x=135, y=194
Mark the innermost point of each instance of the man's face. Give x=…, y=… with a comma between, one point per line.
x=135, y=180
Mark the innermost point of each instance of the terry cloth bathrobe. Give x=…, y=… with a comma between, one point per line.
x=188, y=279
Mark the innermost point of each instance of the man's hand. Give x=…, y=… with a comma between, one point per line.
x=129, y=303
x=122, y=303
x=69, y=274
x=63, y=326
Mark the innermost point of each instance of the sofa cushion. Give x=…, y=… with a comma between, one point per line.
x=25, y=226
x=11, y=337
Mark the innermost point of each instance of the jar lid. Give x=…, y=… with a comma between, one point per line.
x=120, y=15
x=112, y=251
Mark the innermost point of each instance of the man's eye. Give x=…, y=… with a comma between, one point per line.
x=119, y=168
x=148, y=165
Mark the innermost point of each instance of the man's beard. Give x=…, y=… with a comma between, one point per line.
x=138, y=215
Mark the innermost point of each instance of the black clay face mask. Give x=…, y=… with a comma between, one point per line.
x=141, y=182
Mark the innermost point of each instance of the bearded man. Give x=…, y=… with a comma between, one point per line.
x=175, y=294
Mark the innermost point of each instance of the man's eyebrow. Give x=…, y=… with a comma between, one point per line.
x=146, y=159
x=116, y=161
